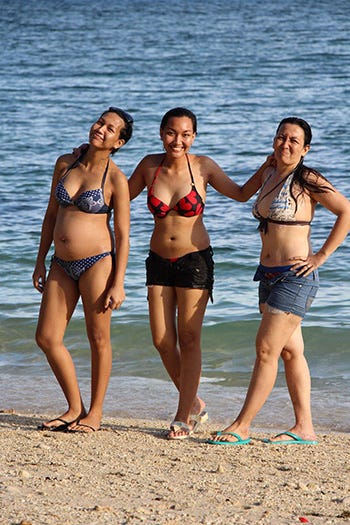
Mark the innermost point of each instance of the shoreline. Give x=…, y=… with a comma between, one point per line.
x=152, y=399
x=128, y=473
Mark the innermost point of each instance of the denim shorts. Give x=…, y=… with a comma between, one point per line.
x=193, y=270
x=280, y=288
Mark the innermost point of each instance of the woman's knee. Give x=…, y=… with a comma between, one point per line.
x=289, y=354
x=189, y=341
x=163, y=345
x=265, y=352
x=45, y=340
x=286, y=355
x=41, y=340
x=99, y=340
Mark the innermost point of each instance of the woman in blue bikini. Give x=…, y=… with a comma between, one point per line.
x=89, y=261
x=288, y=279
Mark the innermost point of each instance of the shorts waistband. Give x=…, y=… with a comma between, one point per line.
x=273, y=271
x=176, y=259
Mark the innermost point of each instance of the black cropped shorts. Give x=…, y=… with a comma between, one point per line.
x=193, y=270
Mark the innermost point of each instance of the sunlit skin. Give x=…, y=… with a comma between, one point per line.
x=77, y=235
x=280, y=334
x=176, y=314
x=289, y=146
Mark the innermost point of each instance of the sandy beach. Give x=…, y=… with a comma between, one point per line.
x=128, y=473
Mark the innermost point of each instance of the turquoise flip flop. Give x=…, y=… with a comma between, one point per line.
x=296, y=440
x=239, y=441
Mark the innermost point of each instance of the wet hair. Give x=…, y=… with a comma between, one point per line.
x=179, y=112
x=126, y=132
x=301, y=172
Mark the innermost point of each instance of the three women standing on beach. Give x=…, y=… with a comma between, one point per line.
x=89, y=262
x=180, y=272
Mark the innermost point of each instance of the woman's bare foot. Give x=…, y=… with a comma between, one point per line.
x=89, y=423
x=307, y=435
x=229, y=434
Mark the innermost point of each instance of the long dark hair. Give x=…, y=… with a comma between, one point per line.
x=301, y=172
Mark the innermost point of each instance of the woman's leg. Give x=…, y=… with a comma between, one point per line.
x=274, y=332
x=299, y=385
x=59, y=299
x=93, y=285
x=191, y=309
x=162, y=308
x=162, y=301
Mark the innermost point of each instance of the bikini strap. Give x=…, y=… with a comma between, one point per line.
x=189, y=168
x=263, y=223
x=156, y=175
x=105, y=175
x=73, y=165
x=276, y=186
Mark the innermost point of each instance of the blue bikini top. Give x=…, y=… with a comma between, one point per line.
x=89, y=201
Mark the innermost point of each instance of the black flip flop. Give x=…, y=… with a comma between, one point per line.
x=59, y=428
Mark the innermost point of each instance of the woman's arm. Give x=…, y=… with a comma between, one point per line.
x=137, y=180
x=48, y=225
x=121, y=208
x=339, y=205
x=225, y=185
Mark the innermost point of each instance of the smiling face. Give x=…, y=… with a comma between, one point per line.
x=289, y=144
x=104, y=134
x=177, y=136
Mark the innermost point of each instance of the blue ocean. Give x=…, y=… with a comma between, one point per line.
x=241, y=67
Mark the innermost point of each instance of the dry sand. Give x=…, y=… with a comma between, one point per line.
x=128, y=473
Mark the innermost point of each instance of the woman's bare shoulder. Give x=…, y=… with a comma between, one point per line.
x=206, y=165
x=116, y=175
x=63, y=162
x=203, y=162
x=152, y=160
x=316, y=179
x=67, y=159
x=201, y=159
